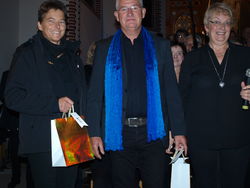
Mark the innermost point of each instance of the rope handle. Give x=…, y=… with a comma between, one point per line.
x=176, y=156
x=67, y=114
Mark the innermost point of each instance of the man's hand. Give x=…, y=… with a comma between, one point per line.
x=181, y=143
x=171, y=143
x=97, y=146
x=65, y=104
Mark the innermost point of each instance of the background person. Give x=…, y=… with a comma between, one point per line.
x=212, y=89
x=46, y=80
x=9, y=122
x=180, y=35
x=178, y=52
x=246, y=36
x=189, y=42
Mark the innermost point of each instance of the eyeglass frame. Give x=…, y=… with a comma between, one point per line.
x=218, y=23
x=133, y=8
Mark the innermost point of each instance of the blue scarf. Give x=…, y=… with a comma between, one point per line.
x=114, y=93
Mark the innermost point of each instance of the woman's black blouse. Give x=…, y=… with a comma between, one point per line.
x=214, y=115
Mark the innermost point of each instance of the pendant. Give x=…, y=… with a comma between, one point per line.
x=222, y=84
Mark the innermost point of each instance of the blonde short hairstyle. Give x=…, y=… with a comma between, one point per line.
x=117, y=3
x=218, y=8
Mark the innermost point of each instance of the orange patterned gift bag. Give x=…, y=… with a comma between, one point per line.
x=70, y=142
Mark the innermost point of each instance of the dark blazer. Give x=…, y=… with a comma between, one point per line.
x=29, y=91
x=214, y=115
x=171, y=102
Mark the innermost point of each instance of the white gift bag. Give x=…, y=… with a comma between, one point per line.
x=180, y=174
x=56, y=149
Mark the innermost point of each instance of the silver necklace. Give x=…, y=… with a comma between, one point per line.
x=221, y=79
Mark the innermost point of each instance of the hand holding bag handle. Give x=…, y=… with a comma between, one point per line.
x=68, y=114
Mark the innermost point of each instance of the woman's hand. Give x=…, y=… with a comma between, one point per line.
x=245, y=91
x=181, y=143
x=65, y=104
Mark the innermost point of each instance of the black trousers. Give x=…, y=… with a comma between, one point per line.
x=101, y=172
x=224, y=168
x=46, y=176
x=148, y=158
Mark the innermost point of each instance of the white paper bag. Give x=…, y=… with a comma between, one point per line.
x=180, y=174
x=56, y=149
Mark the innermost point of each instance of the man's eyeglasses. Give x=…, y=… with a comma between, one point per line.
x=218, y=23
x=133, y=8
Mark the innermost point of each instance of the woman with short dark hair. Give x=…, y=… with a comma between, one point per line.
x=46, y=79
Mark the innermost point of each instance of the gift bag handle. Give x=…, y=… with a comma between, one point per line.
x=67, y=114
x=176, y=155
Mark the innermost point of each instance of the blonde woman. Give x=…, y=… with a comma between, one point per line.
x=211, y=83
